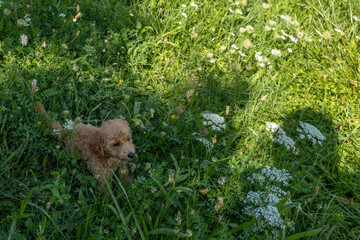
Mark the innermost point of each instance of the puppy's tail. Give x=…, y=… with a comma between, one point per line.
x=54, y=125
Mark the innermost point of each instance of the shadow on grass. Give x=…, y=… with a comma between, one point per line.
x=336, y=202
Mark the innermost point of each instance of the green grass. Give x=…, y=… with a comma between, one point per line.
x=113, y=62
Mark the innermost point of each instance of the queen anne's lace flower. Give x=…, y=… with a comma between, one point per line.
x=209, y=145
x=213, y=120
x=276, y=175
x=311, y=132
x=262, y=204
x=276, y=52
x=281, y=137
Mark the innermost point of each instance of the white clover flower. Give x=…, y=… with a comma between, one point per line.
x=215, y=121
x=24, y=40
x=247, y=44
x=242, y=30
x=183, y=5
x=69, y=124
x=300, y=34
x=267, y=28
x=290, y=50
x=221, y=180
x=209, y=145
x=265, y=5
x=276, y=52
x=22, y=23
x=308, y=39
x=272, y=23
x=193, y=4
x=295, y=23
x=184, y=14
x=6, y=11
x=327, y=35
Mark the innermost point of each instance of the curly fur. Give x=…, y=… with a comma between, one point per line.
x=103, y=149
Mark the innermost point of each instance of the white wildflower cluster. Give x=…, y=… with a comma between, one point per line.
x=257, y=178
x=276, y=52
x=310, y=132
x=277, y=175
x=69, y=124
x=141, y=179
x=24, y=40
x=305, y=131
x=259, y=58
x=262, y=204
x=281, y=137
x=209, y=145
x=213, y=120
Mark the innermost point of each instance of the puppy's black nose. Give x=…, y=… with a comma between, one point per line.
x=131, y=154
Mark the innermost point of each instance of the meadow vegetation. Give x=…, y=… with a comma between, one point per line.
x=245, y=117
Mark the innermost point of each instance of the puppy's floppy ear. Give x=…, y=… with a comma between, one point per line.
x=96, y=143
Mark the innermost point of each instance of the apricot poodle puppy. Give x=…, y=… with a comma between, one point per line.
x=103, y=149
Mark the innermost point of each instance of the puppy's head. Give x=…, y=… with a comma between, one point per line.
x=117, y=139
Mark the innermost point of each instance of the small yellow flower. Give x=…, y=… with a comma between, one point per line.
x=173, y=116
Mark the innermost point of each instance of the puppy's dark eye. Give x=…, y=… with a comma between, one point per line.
x=116, y=144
